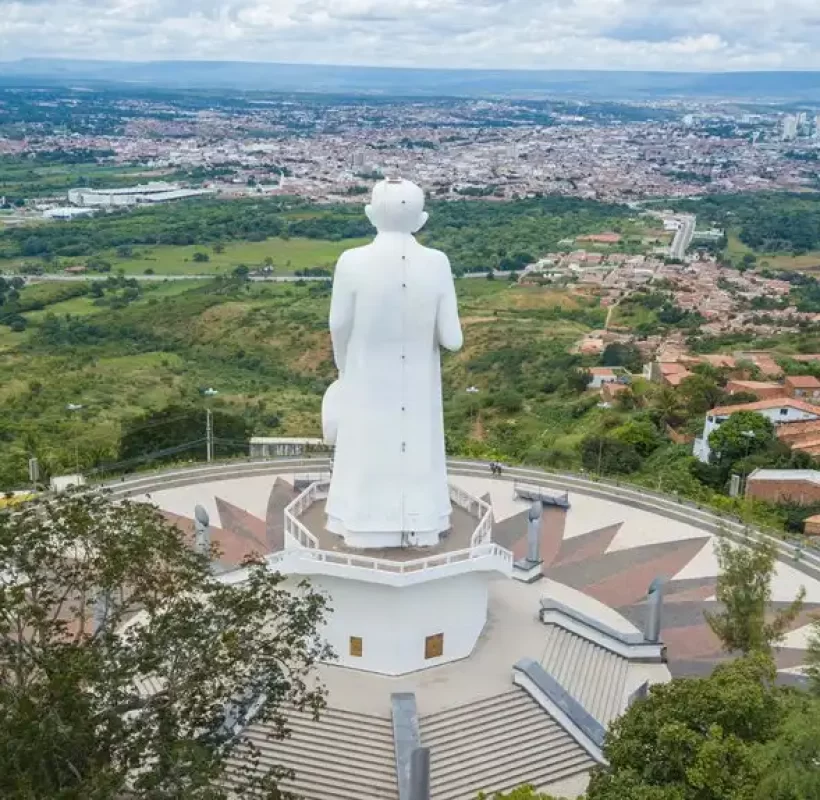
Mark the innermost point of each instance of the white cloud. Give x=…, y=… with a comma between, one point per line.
x=545, y=34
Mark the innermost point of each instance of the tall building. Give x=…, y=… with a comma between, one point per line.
x=789, y=130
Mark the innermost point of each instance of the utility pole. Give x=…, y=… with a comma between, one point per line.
x=209, y=435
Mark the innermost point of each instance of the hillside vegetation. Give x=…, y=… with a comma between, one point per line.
x=266, y=350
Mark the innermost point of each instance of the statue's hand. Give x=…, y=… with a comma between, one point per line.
x=331, y=409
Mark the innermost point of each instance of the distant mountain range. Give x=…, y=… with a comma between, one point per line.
x=254, y=76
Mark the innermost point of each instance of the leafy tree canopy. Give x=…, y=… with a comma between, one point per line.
x=123, y=662
x=744, y=433
x=744, y=589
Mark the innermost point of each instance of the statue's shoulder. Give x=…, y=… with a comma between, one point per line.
x=436, y=257
x=355, y=254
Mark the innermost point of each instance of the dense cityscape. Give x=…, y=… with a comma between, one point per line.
x=328, y=151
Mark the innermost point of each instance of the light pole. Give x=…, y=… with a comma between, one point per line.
x=749, y=436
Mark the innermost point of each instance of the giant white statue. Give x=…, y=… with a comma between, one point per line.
x=393, y=308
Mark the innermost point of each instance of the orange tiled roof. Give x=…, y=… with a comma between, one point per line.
x=803, y=382
x=763, y=405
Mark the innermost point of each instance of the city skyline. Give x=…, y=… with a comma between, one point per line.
x=689, y=35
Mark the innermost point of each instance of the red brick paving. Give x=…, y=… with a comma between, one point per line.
x=697, y=594
x=590, y=545
x=691, y=642
x=629, y=586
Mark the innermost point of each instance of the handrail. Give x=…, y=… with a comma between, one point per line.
x=476, y=507
x=293, y=525
x=480, y=546
x=402, y=567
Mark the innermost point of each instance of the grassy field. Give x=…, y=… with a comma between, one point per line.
x=288, y=256
x=808, y=262
x=19, y=177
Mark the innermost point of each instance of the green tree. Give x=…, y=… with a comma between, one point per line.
x=813, y=657
x=791, y=762
x=608, y=456
x=201, y=258
x=700, y=393
x=124, y=664
x=744, y=588
x=507, y=400
x=622, y=355
x=693, y=739
x=667, y=404
x=578, y=380
x=640, y=434
x=743, y=434
x=162, y=435
x=521, y=793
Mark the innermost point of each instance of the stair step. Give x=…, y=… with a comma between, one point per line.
x=507, y=754
x=327, y=727
x=481, y=722
x=503, y=777
x=318, y=770
x=341, y=755
x=336, y=760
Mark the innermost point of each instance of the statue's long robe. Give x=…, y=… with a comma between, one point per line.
x=393, y=307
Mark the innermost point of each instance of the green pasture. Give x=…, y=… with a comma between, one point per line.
x=287, y=255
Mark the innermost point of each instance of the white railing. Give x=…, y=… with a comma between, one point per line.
x=403, y=567
x=293, y=525
x=481, y=544
x=483, y=512
x=313, y=477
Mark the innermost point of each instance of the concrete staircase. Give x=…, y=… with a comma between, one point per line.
x=344, y=755
x=591, y=674
x=496, y=744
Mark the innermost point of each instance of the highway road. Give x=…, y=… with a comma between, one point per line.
x=683, y=238
x=61, y=277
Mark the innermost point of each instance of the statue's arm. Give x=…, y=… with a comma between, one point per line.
x=342, y=305
x=447, y=323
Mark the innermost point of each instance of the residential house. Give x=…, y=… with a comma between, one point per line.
x=800, y=486
x=778, y=410
x=805, y=387
x=763, y=361
x=764, y=390
x=610, y=391
x=601, y=375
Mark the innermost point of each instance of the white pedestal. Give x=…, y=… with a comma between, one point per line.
x=401, y=630
x=364, y=540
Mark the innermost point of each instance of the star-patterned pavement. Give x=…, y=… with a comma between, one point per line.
x=608, y=551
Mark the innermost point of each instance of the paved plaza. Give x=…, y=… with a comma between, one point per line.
x=604, y=553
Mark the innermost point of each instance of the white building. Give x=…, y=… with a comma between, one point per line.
x=154, y=192
x=778, y=409
x=67, y=212
x=790, y=128
x=601, y=375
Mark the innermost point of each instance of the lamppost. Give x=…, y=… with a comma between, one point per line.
x=749, y=436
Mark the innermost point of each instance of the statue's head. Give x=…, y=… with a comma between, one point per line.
x=397, y=206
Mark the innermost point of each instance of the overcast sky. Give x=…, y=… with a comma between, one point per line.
x=618, y=34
